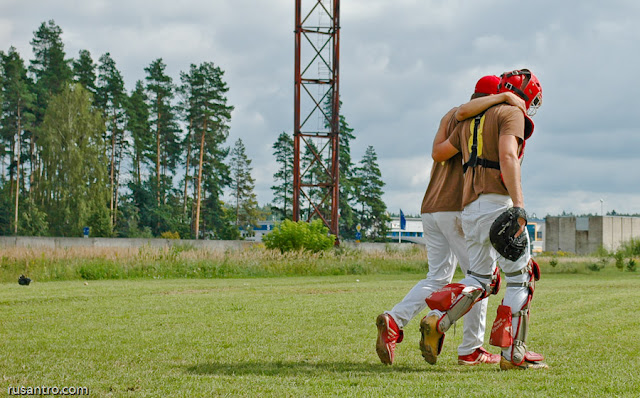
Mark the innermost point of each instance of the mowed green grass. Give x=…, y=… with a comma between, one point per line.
x=302, y=337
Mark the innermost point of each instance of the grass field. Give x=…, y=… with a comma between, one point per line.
x=301, y=337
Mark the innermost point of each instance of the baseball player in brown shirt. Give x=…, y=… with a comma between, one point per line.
x=492, y=145
x=444, y=240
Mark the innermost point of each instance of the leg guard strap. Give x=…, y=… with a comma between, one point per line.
x=520, y=284
x=519, y=347
x=493, y=287
x=481, y=278
x=532, y=268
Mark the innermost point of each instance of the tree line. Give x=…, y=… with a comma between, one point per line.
x=79, y=150
x=360, y=186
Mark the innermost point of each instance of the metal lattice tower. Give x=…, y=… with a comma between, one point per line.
x=316, y=112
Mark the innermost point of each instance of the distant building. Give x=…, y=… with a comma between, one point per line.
x=413, y=231
x=536, y=228
x=585, y=235
x=255, y=234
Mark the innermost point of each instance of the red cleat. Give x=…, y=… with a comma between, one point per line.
x=388, y=335
x=480, y=355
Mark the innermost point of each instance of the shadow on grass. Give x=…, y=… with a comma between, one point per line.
x=283, y=368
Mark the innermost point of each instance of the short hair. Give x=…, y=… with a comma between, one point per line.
x=478, y=95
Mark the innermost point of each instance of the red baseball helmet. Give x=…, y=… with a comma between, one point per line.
x=524, y=84
x=487, y=85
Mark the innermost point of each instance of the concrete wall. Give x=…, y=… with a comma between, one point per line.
x=56, y=243
x=610, y=232
x=617, y=230
x=560, y=234
x=567, y=234
x=37, y=242
x=582, y=242
x=378, y=247
x=596, y=226
x=551, y=231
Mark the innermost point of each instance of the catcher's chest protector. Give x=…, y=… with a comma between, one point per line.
x=475, y=147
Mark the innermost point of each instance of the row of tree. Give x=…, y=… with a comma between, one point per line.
x=77, y=149
x=360, y=196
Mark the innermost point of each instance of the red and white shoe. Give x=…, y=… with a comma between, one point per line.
x=532, y=360
x=388, y=335
x=480, y=355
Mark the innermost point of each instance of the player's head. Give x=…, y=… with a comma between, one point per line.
x=487, y=85
x=525, y=85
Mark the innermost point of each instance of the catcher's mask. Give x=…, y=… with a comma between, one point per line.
x=524, y=84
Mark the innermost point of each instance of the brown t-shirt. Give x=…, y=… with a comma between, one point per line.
x=444, y=192
x=501, y=119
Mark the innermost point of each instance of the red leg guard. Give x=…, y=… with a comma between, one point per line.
x=444, y=298
x=501, y=330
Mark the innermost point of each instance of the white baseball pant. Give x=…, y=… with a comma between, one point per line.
x=445, y=246
x=477, y=218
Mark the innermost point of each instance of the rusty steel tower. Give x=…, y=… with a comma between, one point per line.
x=316, y=112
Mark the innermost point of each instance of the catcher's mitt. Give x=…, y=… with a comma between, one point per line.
x=503, y=231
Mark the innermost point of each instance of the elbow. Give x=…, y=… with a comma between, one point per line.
x=437, y=156
x=443, y=151
x=462, y=115
x=508, y=162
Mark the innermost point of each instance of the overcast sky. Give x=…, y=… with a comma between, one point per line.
x=403, y=64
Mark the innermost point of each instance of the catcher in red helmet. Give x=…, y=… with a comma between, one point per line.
x=440, y=212
x=492, y=145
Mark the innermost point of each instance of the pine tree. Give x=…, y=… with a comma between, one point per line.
x=218, y=220
x=111, y=98
x=209, y=115
x=49, y=66
x=137, y=207
x=84, y=71
x=347, y=189
x=347, y=221
x=5, y=192
x=191, y=84
x=283, y=190
x=373, y=217
x=160, y=93
x=52, y=74
x=242, y=186
x=138, y=126
x=17, y=121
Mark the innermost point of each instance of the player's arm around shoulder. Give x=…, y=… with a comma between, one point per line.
x=441, y=143
x=478, y=105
